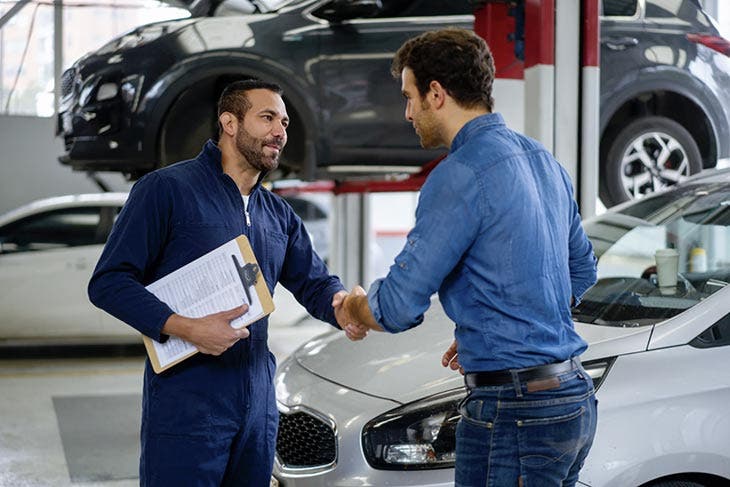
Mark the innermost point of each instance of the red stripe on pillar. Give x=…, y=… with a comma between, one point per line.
x=591, y=34
x=493, y=24
x=539, y=32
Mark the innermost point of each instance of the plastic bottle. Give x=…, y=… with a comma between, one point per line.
x=697, y=260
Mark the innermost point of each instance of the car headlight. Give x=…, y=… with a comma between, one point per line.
x=418, y=436
x=87, y=90
x=131, y=87
x=107, y=91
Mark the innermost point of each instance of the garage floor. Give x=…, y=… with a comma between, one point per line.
x=75, y=421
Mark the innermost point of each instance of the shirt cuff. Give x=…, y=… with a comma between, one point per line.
x=374, y=304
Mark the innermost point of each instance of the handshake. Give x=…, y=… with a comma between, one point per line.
x=353, y=313
x=355, y=318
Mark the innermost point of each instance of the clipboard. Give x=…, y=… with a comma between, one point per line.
x=222, y=279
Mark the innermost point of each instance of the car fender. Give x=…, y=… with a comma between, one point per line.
x=669, y=426
x=668, y=78
x=159, y=99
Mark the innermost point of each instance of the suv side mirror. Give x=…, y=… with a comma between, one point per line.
x=339, y=10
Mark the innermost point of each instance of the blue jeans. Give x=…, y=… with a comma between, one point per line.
x=508, y=436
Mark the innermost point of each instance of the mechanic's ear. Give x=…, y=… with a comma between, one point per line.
x=229, y=122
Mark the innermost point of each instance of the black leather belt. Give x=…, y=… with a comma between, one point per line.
x=502, y=377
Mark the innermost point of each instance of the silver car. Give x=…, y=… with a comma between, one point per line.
x=383, y=411
x=48, y=250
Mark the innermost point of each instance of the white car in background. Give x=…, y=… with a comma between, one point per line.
x=48, y=250
x=383, y=411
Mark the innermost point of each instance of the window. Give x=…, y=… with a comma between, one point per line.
x=619, y=8
x=69, y=227
x=694, y=220
x=664, y=8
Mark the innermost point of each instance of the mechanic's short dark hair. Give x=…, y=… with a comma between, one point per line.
x=234, y=99
x=458, y=59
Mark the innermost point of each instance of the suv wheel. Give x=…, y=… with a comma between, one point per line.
x=649, y=154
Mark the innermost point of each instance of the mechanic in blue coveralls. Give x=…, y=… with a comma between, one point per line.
x=212, y=419
x=499, y=237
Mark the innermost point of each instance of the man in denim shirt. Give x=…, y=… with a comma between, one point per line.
x=499, y=237
x=211, y=420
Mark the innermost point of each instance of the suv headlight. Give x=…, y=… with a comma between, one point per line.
x=418, y=436
x=131, y=86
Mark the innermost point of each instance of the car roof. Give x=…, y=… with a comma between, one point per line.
x=58, y=202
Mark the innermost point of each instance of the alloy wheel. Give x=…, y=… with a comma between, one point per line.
x=653, y=161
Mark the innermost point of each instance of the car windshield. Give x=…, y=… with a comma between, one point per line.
x=694, y=221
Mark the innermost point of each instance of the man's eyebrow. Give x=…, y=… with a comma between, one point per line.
x=271, y=111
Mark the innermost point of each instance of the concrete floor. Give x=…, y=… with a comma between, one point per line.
x=75, y=421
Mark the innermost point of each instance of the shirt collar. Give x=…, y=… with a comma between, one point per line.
x=487, y=121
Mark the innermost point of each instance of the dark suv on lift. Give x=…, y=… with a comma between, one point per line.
x=147, y=98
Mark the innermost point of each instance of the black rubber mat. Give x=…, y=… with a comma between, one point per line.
x=100, y=436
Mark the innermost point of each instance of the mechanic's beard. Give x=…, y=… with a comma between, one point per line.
x=252, y=149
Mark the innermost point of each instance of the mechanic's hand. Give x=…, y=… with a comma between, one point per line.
x=451, y=359
x=213, y=334
x=353, y=330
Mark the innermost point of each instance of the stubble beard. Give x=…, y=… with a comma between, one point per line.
x=252, y=149
x=428, y=129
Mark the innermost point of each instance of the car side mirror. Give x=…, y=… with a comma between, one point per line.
x=339, y=10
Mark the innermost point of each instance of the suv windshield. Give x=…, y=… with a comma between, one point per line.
x=694, y=220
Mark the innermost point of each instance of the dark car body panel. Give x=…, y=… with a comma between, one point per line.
x=337, y=82
x=348, y=106
x=664, y=60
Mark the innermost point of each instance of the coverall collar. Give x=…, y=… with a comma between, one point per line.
x=212, y=156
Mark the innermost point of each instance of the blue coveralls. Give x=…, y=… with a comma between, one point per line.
x=209, y=420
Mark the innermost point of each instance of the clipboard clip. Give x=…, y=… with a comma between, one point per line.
x=248, y=274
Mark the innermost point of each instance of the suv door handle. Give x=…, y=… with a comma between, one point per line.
x=620, y=43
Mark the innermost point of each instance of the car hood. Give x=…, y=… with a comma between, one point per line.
x=407, y=366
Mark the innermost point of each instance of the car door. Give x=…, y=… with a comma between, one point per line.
x=362, y=105
x=45, y=265
x=622, y=43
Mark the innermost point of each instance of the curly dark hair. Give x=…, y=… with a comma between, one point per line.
x=458, y=59
x=234, y=99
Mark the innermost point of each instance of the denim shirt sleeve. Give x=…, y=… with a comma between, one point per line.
x=134, y=244
x=582, y=260
x=447, y=222
x=306, y=276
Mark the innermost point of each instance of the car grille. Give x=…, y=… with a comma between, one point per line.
x=305, y=441
x=67, y=81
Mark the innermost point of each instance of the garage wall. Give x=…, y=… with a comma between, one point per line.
x=29, y=168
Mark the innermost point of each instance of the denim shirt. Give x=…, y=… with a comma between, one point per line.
x=499, y=237
x=175, y=215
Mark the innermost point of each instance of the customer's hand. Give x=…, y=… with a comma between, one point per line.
x=451, y=359
x=353, y=330
x=211, y=334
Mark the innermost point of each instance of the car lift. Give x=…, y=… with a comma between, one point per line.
x=537, y=45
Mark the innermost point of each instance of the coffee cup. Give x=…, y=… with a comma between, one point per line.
x=667, y=266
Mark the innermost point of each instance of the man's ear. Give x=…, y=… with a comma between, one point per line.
x=229, y=123
x=436, y=94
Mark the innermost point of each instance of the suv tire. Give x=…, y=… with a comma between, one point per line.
x=647, y=155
